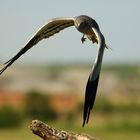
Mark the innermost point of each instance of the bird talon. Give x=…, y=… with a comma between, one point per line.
x=83, y=39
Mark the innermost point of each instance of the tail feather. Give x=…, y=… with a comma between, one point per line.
x=90, y=95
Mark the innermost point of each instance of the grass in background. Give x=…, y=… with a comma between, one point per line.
x=103, y=133
x=109, y=120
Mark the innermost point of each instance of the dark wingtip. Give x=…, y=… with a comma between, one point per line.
x=90, y=95
x=3, y=69
x=84, y=120
x=87, y=117
x=8, y=63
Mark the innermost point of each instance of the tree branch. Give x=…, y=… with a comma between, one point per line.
x=48, y=133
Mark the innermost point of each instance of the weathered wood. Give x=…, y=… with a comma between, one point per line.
x=48, y=133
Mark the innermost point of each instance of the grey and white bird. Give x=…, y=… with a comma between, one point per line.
x=87, y=26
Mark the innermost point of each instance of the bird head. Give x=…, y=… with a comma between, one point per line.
x=81, y=24
x=84, y=24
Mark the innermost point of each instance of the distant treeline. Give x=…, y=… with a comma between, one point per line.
x=38, y=107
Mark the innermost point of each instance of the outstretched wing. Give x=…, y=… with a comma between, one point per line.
x=92, y=83
x=51, y=28
x=90, y=95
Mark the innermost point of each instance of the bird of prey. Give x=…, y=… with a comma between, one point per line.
x=89, y=28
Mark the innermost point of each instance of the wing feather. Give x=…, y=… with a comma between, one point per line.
x=90, y=95
x=52, y=27
x=92, y=84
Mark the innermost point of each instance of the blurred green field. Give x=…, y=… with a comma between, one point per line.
x=23, y=132
x=116, y=112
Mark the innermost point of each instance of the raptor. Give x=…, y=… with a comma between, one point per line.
x=89, y=28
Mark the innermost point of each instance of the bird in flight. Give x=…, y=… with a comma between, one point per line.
x=89, y=28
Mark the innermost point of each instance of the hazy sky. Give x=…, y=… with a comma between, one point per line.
x=119, y=22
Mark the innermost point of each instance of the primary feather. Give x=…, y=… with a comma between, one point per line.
x=52, y=27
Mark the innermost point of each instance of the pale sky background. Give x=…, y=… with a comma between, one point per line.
x=119, y=21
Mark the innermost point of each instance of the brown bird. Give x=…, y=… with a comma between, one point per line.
x=87, y=26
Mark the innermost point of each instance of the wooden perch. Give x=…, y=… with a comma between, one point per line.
x=48, y=133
